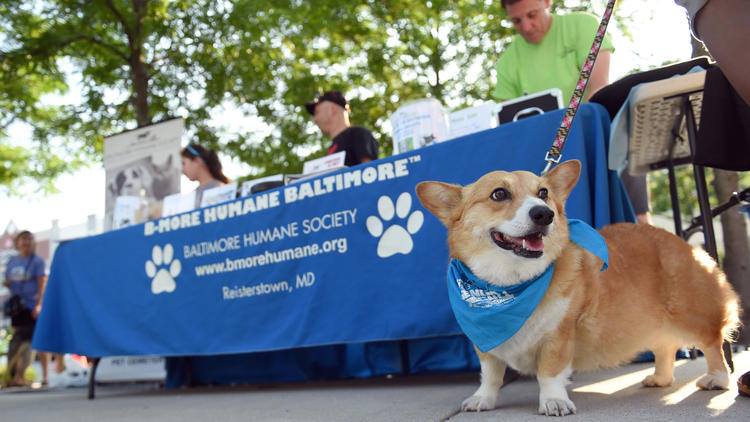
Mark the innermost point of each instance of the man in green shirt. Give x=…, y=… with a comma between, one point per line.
x=548, y=52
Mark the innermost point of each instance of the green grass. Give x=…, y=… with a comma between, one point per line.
x=29, y=375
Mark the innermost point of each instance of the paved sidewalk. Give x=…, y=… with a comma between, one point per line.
x=612, y=395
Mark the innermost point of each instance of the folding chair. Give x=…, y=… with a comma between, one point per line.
x=665, y=117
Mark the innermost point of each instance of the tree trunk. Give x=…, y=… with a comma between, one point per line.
x=138, y=69
x=139, y=74
x=437, y=64
x=736, y=244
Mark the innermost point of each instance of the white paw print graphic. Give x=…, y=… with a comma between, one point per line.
x=395, y=239
x=162, y=281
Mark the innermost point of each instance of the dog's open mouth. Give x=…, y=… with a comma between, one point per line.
x=528, y=246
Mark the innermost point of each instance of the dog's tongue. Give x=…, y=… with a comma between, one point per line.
x=532, y=242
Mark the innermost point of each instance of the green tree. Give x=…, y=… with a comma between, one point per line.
x=140, y=61
x=134, y=60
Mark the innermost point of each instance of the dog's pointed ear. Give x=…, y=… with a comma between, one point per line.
x=439, y=198
x=564, y=177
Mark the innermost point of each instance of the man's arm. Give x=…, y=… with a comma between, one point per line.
x=723, y=27
x=586, y=26
x=42, y=280
x=599, y=75
x=506, y=87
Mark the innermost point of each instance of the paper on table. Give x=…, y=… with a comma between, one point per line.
x=178, y=203
x=219, y=194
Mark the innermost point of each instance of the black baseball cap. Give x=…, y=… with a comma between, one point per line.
x=332, y=96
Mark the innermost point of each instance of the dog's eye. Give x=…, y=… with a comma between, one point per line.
x=500, y=194
x=543, y=193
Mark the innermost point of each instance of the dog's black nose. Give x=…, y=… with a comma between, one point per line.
x=541, y=215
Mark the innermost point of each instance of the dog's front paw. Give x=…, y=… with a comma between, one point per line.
x=655, y=381
x=714, y=381
x=556, y=407
x=477, y=403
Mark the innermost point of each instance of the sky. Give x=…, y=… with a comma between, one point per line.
x=659, y=34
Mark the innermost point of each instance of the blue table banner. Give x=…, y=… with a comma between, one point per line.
x=346, y=257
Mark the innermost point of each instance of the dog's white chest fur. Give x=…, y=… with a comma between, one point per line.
x=520, y=351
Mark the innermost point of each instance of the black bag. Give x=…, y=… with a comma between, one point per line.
x=13, y=307
x=19, y=315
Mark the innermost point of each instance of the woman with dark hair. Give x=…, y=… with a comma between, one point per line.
x=25, y=277
x=202, y=165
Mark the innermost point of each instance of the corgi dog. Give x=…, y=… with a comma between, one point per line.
x=658, y=293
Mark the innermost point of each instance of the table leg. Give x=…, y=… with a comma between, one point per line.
x=673, y=194
x=676, y=214
x=705, y=206
x=405, y=361
x=92, y=377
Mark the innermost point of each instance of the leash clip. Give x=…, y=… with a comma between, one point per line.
x=550, y=162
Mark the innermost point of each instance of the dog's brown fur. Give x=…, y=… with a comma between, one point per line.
x=658, y=294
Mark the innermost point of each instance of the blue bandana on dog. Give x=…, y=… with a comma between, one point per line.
x=488, y=314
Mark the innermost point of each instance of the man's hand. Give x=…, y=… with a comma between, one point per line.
x=36, y=311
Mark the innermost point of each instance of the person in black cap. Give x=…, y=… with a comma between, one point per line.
x=330, y=112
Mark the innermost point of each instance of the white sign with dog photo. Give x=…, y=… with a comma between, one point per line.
x=144, y=162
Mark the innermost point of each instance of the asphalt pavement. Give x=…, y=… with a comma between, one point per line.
x=609, y=395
